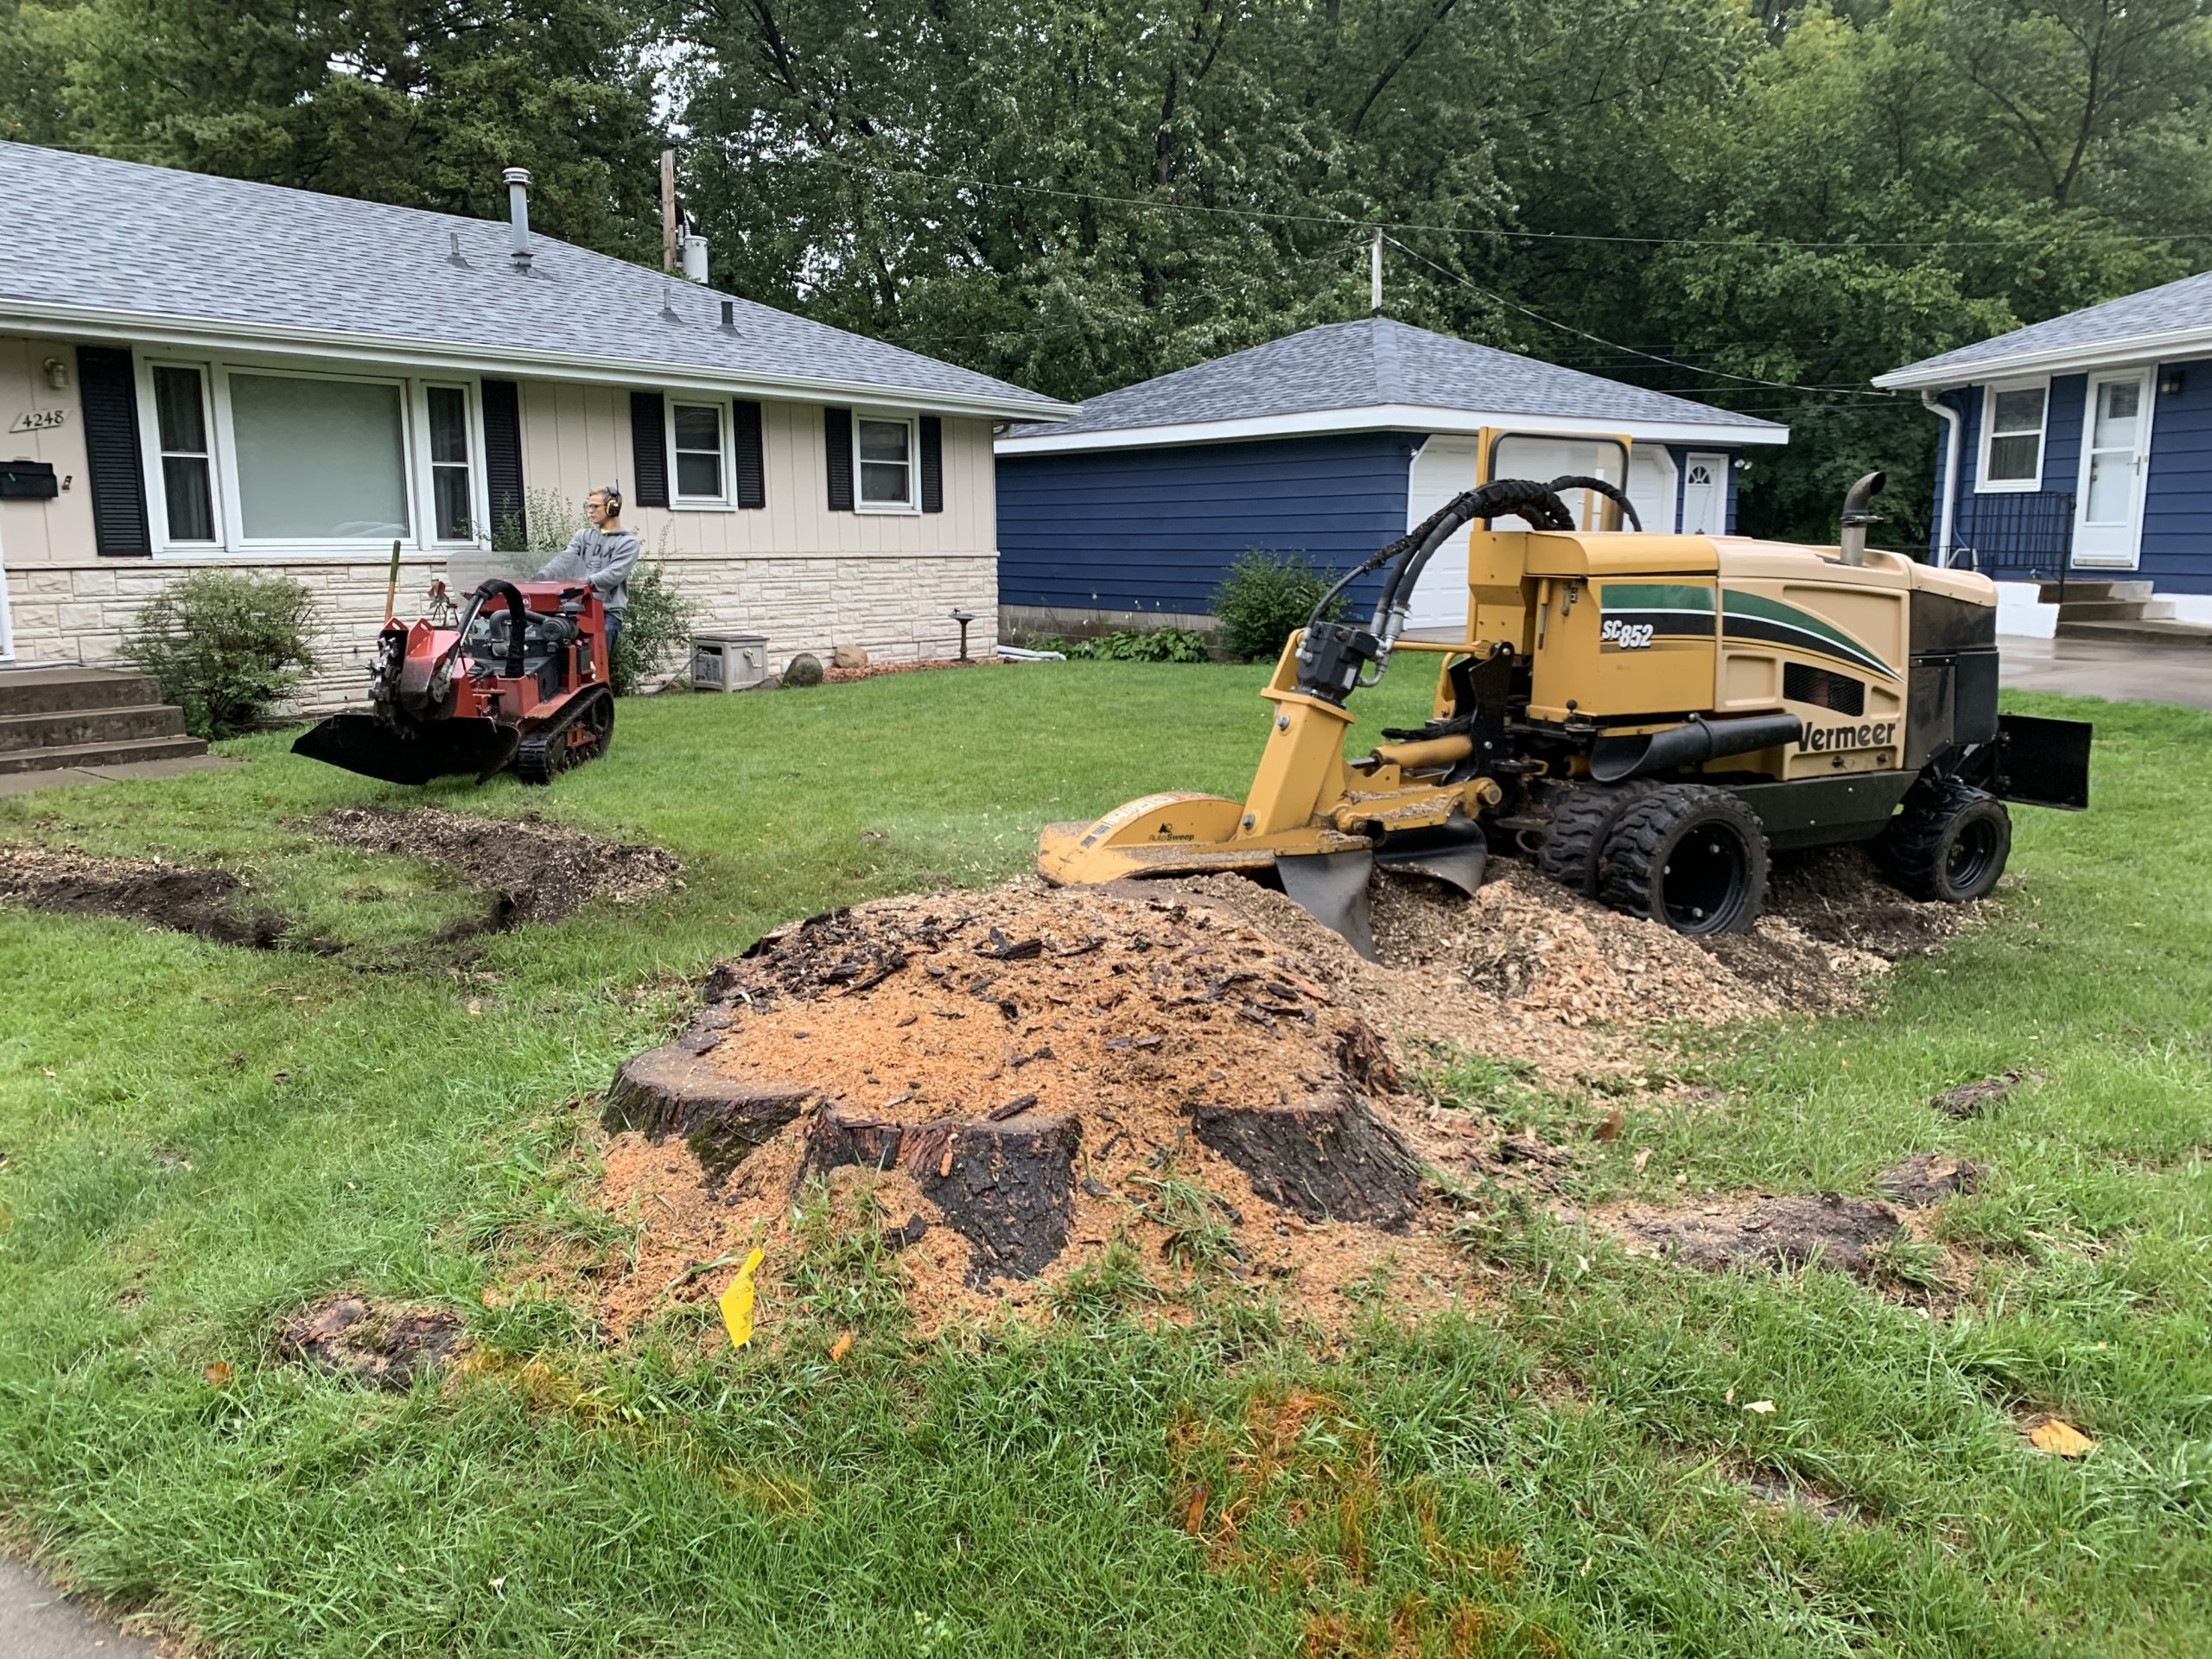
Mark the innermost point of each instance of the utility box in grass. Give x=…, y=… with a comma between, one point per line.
x=728, y=662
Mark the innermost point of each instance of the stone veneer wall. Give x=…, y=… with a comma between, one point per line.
x=899, y=608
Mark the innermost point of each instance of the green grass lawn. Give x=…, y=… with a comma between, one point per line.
x=198, y=1139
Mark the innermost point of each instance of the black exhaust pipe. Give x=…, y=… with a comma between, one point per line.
x=1615, y=759
x=1856, y=517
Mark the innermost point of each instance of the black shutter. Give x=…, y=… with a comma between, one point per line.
x=837, y=456
x=752, y=465
x=648, y=450
x=503, y=464
x=932, y=464
x=109, y=394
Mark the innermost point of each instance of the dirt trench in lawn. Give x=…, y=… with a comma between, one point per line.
x=1033, y=1095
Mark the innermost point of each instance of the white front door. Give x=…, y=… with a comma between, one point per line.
x=2115, y=460
x=1444, y=467
x=1705, y=495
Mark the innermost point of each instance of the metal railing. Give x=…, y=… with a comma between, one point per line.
x=2024, y=537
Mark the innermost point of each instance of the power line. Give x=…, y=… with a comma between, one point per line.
x=1653, y=357
x=1367, y=227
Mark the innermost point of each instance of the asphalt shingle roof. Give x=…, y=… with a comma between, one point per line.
x=154, y=241
x=2179, y=305
x=1377, y=360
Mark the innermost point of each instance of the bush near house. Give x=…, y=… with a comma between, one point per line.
x=1266, y=597
x=226, y=646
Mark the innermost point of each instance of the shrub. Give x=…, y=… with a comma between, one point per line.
x=546, y=522
x=225, y=645
x=657, y=626
x=1138, y=646
x=1265, y=598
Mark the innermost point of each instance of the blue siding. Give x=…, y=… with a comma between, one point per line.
x=1157, y=529
x=2176, y=548
x=2177, y=496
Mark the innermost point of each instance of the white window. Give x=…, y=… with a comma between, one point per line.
x=319, y=460
x=2012, y=434
x=883, y=462
x=446, y=409
x=698, y=439
x=182, y=429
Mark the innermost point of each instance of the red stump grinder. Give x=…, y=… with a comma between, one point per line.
x=521, y=680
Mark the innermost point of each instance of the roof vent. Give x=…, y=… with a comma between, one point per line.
x=668, y=302
x=453, y=256
x=729, y=316
x=518, y=216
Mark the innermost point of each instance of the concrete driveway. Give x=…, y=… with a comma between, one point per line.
x=2100, y=668
x=38, y=1622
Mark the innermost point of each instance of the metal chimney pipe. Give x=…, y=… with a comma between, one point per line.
x=518, y=180
x=1856, y=517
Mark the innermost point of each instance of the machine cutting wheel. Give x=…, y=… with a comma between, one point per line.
x=519, y=679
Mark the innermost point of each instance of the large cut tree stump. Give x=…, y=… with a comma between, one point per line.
x=1007, y=1188
x=671, y=1090
x=1327, y=1159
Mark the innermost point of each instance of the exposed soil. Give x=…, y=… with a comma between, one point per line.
x=1780, y=1233
x=534, y=871
x=1982, y=1094
x=181, y=897
x=875, y=670
x=1019, y=1079
x=1928, y=1178
x=383, y=1345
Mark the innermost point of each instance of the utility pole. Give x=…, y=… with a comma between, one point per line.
x=1375, y=277
x=669, y=214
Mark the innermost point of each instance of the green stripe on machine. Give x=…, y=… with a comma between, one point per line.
x=1771, y=620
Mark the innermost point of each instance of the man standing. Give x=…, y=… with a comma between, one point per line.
x=603, y=554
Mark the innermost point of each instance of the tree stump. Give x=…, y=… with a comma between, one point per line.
x=1007, y=1188
x=1327, y=1159
x=672, y=1090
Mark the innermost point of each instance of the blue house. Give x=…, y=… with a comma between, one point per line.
x=2075, y=465
x=1330, y=443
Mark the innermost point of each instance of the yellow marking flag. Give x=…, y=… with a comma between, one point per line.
x=737, y=1302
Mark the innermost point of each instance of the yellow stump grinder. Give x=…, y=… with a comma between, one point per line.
x=1645, y=715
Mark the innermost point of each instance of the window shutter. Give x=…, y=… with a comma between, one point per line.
x=837, y=457
x=109, y=395
x=932, y=464
x=752, y=465
x=502, y=463
x=648, y=450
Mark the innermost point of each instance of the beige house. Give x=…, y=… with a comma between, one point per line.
x=199, y=371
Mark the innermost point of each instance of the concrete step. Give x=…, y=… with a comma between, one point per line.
x=73, y=727
x=2151, y=633
x=2116, y=610
x=47, y=691
x=102, y=754
x=2075, y=587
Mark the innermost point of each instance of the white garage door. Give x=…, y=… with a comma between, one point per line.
x=1444, y=467
x=1651, y=487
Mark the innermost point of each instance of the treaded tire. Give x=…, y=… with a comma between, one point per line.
x=1950, y=848
x=1576, y=834
x=1689, y=855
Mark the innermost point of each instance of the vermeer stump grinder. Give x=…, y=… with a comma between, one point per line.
x=520, y=679
x=1646, y=716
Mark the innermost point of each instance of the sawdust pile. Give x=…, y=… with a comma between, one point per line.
x=1024, y=1080
x=212, y=904
x=535, y=871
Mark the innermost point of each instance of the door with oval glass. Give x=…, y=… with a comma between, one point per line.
x=2115, y=458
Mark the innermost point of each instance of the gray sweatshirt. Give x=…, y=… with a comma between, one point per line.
x=605, y=558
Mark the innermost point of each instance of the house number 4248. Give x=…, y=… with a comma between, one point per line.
x=40, y=420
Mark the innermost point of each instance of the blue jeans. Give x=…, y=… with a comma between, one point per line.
x=613, y=632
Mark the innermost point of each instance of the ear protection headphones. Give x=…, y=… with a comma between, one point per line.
x=614, y=494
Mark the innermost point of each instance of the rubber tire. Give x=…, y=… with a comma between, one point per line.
x=1918, y=851
x=1576, y=835
x=1642, y=846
